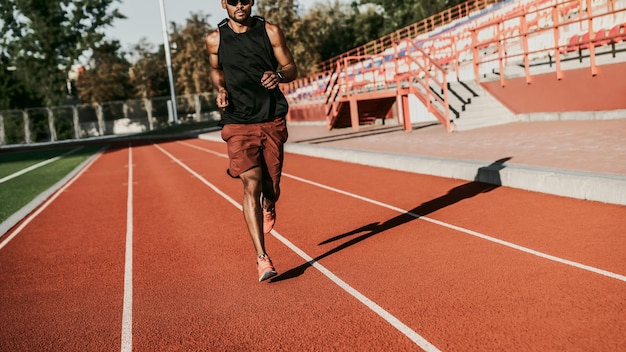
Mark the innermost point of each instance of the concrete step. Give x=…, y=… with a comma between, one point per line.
x=476, y=108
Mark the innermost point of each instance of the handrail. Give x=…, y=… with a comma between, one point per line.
x=411, y=31
x=547, y=22
x=355, y=67
x=326, y=68
x=351, y=77
x=332, y=91
x=433, y=73
x=368, y=74
x=509, y=36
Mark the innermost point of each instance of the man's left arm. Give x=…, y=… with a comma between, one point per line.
x=287, y=66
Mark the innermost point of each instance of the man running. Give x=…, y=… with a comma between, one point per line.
x=249, y=57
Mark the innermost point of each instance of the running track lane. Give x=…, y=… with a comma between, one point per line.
x=493, y=297
x=196, y=286
x=459, y=292
x=61, y=276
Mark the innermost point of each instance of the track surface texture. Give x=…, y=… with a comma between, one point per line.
x=147, y=250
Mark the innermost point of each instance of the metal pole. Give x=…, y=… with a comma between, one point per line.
x=168, y=60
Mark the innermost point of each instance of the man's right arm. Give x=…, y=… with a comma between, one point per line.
x=217, y=74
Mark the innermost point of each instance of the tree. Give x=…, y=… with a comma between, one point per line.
x=305, y=51
x=44, y=38
x=106, y=78
x=190, y=58
x=333, y=25
x=148, y=75
x=368, y=24
x=285, y=14
x=13, y=94
x=399, y=14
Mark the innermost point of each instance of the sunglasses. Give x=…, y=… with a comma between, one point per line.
x=235, y=2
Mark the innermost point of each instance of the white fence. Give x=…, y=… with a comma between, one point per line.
x=50, y=124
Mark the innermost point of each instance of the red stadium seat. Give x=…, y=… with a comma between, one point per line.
x=567, y=10
x=572, y=45
x=618, y=33
x=600, y=38
x=533, y=25
x=584, y=41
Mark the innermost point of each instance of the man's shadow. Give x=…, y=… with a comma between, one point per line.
x=489, y=174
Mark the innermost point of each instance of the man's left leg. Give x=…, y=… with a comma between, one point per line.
x=244, y=153
x=269, y=196
x=275, y=136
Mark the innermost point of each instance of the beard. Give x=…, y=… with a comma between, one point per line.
x=241, y=20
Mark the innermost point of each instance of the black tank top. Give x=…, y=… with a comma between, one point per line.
x=244, y=57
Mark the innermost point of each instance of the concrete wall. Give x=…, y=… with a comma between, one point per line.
x=577, y=91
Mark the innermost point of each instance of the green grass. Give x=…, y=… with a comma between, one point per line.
x=13, y=162
x=17, y=192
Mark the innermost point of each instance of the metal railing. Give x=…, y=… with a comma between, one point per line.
x=427, y=80
x=551, y=32
x=73, y=122
x=311, y=90
x=426, y=25
x=523, y=35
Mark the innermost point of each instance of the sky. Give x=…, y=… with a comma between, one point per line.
x=143, y=18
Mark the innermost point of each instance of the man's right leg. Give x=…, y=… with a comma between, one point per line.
x=252, y=208
x=244, y=153
x=253, y=217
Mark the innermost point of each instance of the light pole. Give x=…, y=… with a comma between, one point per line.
x=168, y=60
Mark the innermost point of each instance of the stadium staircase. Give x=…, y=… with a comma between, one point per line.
x=444, y=60
x=477, y=107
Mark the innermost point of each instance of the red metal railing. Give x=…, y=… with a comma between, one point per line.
x=333, y=94
x=366, y=75
x=299, y=90
x=424, y=26
x=536, y=32
x=424, y=77
x=516, y=35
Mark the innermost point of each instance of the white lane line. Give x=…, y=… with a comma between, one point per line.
x=453, y=227
x=467, y=231
x=390, y=318
x=395, y=322
x=127, y=310
x=47, y=203
x=222, y=155
x=38, y=165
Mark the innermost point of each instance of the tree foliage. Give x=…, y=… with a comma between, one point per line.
x=190, y=59
x=332, y=24
x=148, y=74
x=44, y=38
x=369, y=24
x=13, y=93
x=106, y=76
x=399, y=14
x=285, y=14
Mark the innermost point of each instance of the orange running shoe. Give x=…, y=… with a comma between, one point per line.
x=269, y=219
x=265, y=268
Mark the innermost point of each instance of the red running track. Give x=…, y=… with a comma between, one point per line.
x=370, y=259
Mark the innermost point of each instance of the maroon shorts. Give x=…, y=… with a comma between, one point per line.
x=256, y=145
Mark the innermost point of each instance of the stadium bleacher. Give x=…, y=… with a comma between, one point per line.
x=438, y=74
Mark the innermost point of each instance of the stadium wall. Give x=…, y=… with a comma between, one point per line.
x=577, y=91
